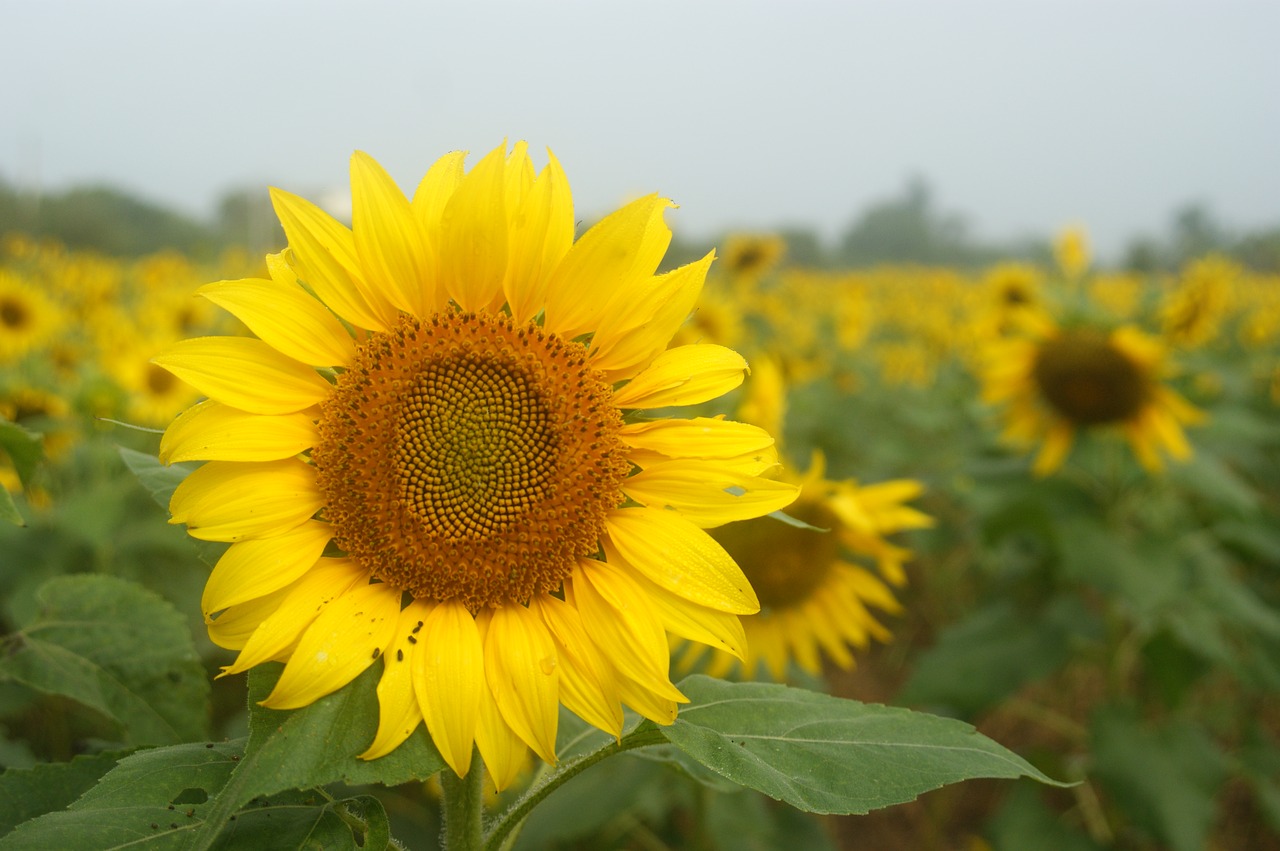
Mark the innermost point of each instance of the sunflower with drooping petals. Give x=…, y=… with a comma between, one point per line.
x=433, y=453
x=1058, y=381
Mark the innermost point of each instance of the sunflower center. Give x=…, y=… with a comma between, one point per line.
x=1088, y=380
x=13, y=313
x=784, y=563
x=464, y=457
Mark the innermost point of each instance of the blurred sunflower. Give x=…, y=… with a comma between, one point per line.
x=1192, y=313
x=816, y=584
x=752, y=255
x=1071, y=250
x=28, y=319
x=471, y=450
x=1058, y=381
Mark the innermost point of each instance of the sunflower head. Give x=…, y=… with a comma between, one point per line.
x=1088, y=379
x=434, y=456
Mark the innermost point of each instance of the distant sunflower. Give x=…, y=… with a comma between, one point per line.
x=820, y=588
x=751, y=255
x=1060, y=381
x=28, y=319
x=513, y=536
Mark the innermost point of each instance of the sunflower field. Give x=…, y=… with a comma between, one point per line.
x=1041, y=500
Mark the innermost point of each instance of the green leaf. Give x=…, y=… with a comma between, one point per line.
x=316, y=745
x=308, y=820
x=1165, y=778
x=827, y=755
x=747, y=821
x=24, y=447
x=152, y=799
x=160, y=480
x=994, y=651
x=117, y=648
x=30, y=792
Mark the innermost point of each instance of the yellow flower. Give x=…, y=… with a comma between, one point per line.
x=1071, y=249
x=1061, y=380
x=1193, y=312
x=816, y=593
x=455, y=410
x=752, y=255
x=28, y=319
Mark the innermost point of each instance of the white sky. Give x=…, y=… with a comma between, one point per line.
x=1024, y=115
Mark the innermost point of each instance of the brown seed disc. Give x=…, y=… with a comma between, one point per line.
x=784, y=563
x=1088, y=380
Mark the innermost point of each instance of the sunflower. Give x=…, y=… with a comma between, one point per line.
x=28, y=319
x=748, y=255
x=1058, y=381
x=1071, y=250
x=821, y=581
x=432, y=454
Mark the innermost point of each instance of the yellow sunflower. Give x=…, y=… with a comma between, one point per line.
x=818, y=586
x=1058, y=381
x=28, y=319
x=446, y=395
x=749, y=255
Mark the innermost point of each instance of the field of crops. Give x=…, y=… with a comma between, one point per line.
x=1042, y=499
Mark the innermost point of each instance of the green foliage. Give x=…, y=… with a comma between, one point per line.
x=49, y=786
x=117, y=649
x=25, y=451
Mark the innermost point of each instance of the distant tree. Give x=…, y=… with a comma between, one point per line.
x=1260, y=250
x=246, y=218
x=1196, y=232
x=804, y=248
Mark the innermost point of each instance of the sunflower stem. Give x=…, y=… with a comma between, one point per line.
x=463, y=807
x=503, y=830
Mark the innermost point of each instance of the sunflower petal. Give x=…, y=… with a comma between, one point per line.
x=473, y=234
x=285, y=316
x=389, y=241
x=677, y=555
x=398, y=711
x=707, y=493
x=435, y=189
x=323, y=253
x=235, y=625
x=623, y=624
x=306, y=598
x=720, y=630
x=245, y=373
x=450, y=681
x=616, y=255
x=255, y=568
x=541, y=234
x=229, y=500
x=212, y=431
x=685, y=375
x=587, y=687
x=345, y=639
x=522, y=669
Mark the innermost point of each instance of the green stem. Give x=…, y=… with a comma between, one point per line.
x=643, y=736
x=463, y=807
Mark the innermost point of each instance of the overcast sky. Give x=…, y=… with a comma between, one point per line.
x=1024, y=115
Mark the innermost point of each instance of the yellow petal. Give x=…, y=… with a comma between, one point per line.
x=450, y=681
x=541, y=234
x=700, y=437
x=682, y=558
x=346, y=638
x=390, y=243
x=707, y=493
x=631, y=335
x=398, y=711
x=285, y=316
x=615, y=256
x=473, y=234
x=587, y=686
x=212, y=431
x=245, y=373
x=323, y=253
x=228, y=500
x=254, y=568
x=1057, y=443
x=504, y=753
x=624, y=625
x=655, y=707
x=234, y=626
x=522, y=669
x=696, y=623
x=306, y=597
x=434, y=191
x=685, y=375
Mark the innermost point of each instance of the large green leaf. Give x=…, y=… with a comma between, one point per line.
x=293, y=821
x=1164, y=778
x=314, y=746
x=117, y=648
x=153, y=800
x=827, y=755
x=29, y=792
x=160, y=480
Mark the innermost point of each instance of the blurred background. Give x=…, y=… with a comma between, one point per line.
x=1008, y=276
